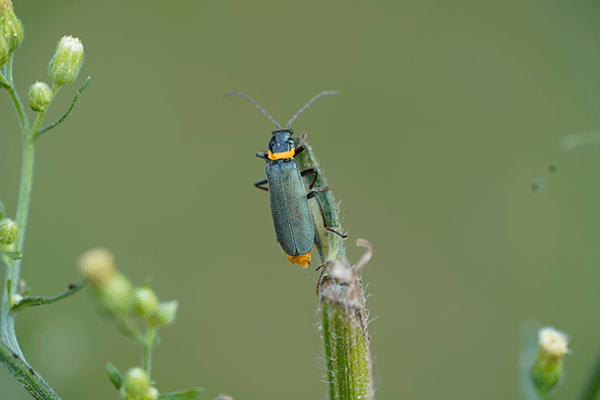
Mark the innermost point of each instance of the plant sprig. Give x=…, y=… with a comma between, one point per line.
x=63, y=69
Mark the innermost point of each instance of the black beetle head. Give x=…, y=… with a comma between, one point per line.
x=282, y=142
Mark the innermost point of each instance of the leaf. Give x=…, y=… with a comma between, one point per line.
x=32, y=301
x=114, y=375
x=15, y=255
x=189, y=394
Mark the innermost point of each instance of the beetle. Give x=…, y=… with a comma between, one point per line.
x=289, y=201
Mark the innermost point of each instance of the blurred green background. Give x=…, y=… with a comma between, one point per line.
x=449, y=110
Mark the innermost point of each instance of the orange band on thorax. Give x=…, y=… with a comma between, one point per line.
x=283, y=155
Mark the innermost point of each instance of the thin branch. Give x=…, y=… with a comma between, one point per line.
x=74, y=103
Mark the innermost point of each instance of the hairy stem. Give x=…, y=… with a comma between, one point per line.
x=11, y=355
x=23, y=120
x=343, y=315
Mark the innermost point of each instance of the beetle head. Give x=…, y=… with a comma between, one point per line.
x=281, y=145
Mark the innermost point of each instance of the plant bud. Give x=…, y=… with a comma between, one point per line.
x=546, y=371
x=67, y=60
x=40, y=96
x=151, y=394
x=98, y=266
x=117, y=295
x=145, y=301
x=14, y=299
x=136, y=383
x=4, y=50
x=8, y=231
x=12, y=27
x=165, y=313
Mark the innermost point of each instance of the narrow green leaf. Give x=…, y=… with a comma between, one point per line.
x=75, y=103
x=114, y=375
x=32, y=301
x=189, y=394
x=15, y=255
x=2, y=214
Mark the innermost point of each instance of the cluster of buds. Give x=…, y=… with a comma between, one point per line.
x=546, y=372
x=63, y=68
x=116, y=293
x=11, y=29
x=138, y=386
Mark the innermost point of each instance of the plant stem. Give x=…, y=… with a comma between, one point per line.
x=343, y=315
x=591, y=389
x=147, y=349
x=11, y=355
x=22, y=371
x=24, y=121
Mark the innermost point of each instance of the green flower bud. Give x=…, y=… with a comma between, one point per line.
x=151, y=394
x=137, y=383
x=40, y=96
x=165, y=313
x=117, y=296
x=14, y=299
x=98, y=266
x=4, y=50
x=12, y=27
x=145, y=301
x=8, y=231
x=546, y=371
x=67, y=60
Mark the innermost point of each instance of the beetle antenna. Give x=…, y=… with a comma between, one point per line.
x=317, y=97
x=255, y=105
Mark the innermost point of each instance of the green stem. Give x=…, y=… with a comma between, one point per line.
x=23, y=372
x=11, y=355
x=343, y=315
x=591, y=389
x=24, y=121
x=147, y=349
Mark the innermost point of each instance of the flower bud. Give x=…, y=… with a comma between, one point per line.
x=145, y=301
x=67, y=60
x=40, y=96
x=8, y=231
x=4, y=50
x=165, y=313
x=97, y=265
x=14, y=299
x=137, y=383
x=21, y=286
x=12, y=27
x=547, y=369
x=117, y=295
x=151, y=394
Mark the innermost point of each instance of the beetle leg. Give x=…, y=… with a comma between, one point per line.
x=316, y=174
x=261, y=184
x=302, y=139
x=300, y=144
x=299, y=149
x=313, y=194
